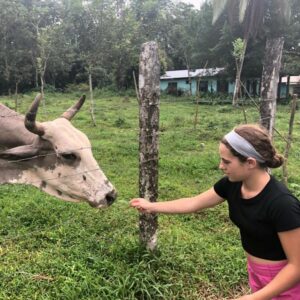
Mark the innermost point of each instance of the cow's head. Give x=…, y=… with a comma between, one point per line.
x=60, y=160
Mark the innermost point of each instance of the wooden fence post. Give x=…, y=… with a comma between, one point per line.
x=149, y=76
x=289, y=140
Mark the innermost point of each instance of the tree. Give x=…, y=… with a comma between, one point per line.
x=291, y=52
x=239, y=49
x=126, y=43
x=250, y=13
x=182, y=32
x=14, y=42
x=100, y=39
x=94, y=24
x=279, y=15
x=45, y=18
x=274, y=14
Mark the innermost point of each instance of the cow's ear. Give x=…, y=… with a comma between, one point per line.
x=21, y=152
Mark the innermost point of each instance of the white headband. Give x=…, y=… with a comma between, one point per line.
x=242, y=146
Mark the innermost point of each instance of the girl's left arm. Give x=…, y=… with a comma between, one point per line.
x=289, y=275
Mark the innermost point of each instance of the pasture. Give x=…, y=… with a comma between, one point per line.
x=50, y=249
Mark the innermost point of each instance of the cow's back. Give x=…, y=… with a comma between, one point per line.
x=12, y=130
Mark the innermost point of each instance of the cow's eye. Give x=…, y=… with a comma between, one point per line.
x=69, y=156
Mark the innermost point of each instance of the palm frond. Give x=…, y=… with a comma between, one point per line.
x=254, y=17
x=284, y=9
x=242, y=10
x=218, y=8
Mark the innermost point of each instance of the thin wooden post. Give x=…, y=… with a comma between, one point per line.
x=136, y=87
x=198, y=98
x=289, y=140
x=91, y=97
x=149, y=71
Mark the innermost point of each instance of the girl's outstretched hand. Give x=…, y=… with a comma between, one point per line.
x=141, y=204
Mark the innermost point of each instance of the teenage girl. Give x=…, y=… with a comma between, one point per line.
x=264, y=210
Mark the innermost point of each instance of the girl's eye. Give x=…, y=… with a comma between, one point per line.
x=69, y=156
x=226, y=162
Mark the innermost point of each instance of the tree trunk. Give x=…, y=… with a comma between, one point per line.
x=42, y=90
x=239, y=68
x=289, y=140
x=149, y=70
x=190, y=81
x=16, y=95
x=287, y=93
x=42, y=84
x=269, y=85
x=237, y=86
x=92, y=98
x=279, y=88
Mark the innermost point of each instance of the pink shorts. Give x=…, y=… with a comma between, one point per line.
x=261, y=274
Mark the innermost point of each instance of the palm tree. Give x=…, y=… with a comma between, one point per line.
x=273, y=15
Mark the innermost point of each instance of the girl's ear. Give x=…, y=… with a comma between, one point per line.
x=252, y=163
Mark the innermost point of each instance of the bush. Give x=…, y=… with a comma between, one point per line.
x=77, y=88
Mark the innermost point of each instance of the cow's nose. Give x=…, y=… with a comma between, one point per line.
x=111, y=197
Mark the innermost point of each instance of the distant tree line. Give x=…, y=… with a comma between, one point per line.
x=55, y=43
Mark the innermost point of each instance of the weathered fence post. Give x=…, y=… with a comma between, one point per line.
x=149, y=71
x=289, y=140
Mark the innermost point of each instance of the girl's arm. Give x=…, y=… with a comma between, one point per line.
x=180, y=206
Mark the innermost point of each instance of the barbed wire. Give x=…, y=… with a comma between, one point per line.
x=20, y=115
x=66, y=176
x=44, y=112
x=44, y=155
x=258, y=108
x=164, y=102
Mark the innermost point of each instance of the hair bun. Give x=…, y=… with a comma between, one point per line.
x=276, y=162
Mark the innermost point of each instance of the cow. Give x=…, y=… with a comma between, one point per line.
x=53, y=156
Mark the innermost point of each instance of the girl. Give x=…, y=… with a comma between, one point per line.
x=264, y=210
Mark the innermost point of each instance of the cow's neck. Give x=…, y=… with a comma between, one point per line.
x=16, y=172
x=12, y=173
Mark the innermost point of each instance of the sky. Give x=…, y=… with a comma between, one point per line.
x=196, y=3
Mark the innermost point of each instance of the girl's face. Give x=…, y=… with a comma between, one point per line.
x=231, y=165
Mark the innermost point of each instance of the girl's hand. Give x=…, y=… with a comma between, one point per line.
x=141, y=205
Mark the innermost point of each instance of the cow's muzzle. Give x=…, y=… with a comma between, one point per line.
x=108, y=200
x=111, y=197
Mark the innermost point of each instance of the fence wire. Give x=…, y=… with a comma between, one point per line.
x=136, y=131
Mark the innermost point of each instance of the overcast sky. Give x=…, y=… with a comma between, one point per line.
x=196, y=3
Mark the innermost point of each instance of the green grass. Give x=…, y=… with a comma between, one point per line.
x=50, y=249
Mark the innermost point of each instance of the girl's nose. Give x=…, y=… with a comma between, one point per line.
x=221, y=166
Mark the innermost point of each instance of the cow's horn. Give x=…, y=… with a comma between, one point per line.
x=71, y=112
x=30, y=122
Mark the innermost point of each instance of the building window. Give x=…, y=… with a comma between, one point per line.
x=296, y=90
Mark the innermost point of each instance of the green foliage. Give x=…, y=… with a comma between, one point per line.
x=64, y=41
x=52, y=249
x=295, y=188
x=238, y=48
x=120, y=122
x=82, y=88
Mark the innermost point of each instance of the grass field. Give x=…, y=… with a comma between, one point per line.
x=50, y=249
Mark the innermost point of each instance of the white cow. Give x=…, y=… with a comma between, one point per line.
x=53, y=156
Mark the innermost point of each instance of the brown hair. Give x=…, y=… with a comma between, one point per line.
x=260, y=139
